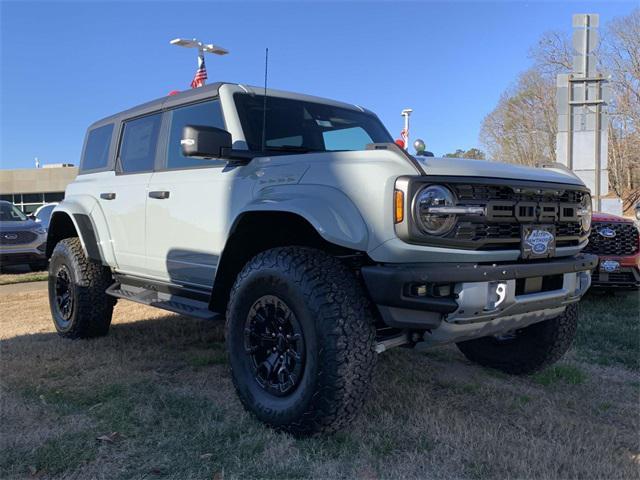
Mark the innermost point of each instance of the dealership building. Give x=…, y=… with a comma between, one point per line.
x=29, y=188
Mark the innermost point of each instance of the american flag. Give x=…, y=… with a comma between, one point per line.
x=404, y=134
x=201, y=73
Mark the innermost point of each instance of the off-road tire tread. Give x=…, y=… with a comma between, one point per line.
x=94, y=306
x=344, y=320
x=538, y=346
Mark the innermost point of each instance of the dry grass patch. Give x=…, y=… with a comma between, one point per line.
x=161, y=382
x=11, y=278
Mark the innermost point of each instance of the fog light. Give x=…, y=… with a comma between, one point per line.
x=419, y=290
x=443, y=290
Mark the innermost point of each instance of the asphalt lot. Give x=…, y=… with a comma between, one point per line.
x=154, y=399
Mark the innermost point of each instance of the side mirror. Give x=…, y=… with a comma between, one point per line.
x=204, y=142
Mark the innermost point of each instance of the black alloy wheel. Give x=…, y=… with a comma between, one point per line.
x=64, y=295
x=274, y=341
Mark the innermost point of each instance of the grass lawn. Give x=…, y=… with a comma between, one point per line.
x=154, y=399
x=10, y=278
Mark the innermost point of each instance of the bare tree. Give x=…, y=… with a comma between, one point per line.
x=522, y=128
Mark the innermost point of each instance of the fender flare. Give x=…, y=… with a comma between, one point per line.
x=86, y=215
x=327, y=209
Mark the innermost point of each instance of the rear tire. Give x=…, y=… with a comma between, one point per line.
x=301, y=341
x=531, y=349
x=79, y=305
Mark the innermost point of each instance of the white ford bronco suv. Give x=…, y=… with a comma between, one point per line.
x=320, y=241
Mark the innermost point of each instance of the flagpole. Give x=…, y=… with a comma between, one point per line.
x=201, y=58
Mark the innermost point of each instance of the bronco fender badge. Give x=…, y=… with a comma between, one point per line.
x=607, y=232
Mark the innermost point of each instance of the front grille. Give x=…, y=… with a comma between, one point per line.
x=510, y=207
x=17, y=238
x=625, y=241
x=617, y=277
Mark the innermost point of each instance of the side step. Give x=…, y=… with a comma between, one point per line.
x=166, y=301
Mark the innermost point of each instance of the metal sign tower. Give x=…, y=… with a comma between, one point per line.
x=582, y=97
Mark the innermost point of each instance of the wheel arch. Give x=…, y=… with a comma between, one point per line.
x=76, y=218
x=254, y=231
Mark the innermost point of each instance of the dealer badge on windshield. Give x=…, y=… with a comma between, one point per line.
x=538, y=241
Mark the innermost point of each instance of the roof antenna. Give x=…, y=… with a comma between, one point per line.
x=264, y=103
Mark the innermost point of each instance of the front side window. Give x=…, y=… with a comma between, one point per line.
x=11, y=213
x=96, y=152
x=207, y=114
x=139, y=143
x=300, y=126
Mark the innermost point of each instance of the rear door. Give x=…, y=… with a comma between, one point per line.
x=123, y=197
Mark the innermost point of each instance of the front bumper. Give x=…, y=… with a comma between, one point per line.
x=22, y=254
x=627, y=276
x=475, y=293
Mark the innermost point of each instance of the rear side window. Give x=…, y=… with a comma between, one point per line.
x=96, y=151
x=206, y=114
x=139, y=143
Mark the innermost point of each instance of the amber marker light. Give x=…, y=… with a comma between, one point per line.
x=398, y=198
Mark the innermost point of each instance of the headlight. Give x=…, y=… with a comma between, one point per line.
x=585, y=212
x=428, y=200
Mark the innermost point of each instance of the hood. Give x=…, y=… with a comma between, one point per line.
x=608, y=217
x=19, y=226
x=484, y=168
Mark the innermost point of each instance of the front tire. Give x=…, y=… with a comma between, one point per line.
x=527, y=350
x=301, y=340
x=79, y=305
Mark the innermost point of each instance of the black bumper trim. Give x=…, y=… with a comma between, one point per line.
x=386, y=283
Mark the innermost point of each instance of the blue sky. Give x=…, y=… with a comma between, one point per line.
x=66, y=64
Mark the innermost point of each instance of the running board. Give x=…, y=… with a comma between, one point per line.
x=166, y=301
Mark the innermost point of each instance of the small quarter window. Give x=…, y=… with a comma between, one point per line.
x=139, y=142
x=206, y=114
x=96, y=152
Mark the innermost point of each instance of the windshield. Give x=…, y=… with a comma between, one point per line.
x=10, y=213
x=298, y=126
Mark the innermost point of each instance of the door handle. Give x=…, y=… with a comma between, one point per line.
x=108, y=196
x=160, y=195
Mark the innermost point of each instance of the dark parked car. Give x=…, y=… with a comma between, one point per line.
x=22, y=240
x=43, y=214
x=616, y=240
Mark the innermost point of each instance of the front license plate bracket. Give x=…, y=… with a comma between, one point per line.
x=538, y=241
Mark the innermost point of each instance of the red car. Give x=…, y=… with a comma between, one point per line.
x=616, y=240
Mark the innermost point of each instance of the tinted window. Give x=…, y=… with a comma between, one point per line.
x=297, y=125
x=207, y=114
x=31, y=198
x=53, y=197
x=139, y=142
x=96, y=152
x=10, y=213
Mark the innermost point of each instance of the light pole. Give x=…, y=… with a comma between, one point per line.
x=202, y=47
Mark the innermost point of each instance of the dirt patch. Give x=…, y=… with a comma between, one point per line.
x=161, y=382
